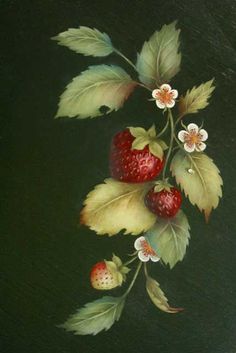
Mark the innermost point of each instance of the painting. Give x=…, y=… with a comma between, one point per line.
x=117, y=152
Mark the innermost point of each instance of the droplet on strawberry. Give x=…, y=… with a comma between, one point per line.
x=106, y=275
x=163, y=200
x=136, y=155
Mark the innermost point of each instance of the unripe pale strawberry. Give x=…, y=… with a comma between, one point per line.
x=106, y=275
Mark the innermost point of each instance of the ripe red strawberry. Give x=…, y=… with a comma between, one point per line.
x=136, y=155
x=165, y=201
x=107, y=275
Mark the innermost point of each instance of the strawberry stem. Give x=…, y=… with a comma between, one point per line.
x=172, y=135
x=164, y=129
x=130, y=261
x=133, y=280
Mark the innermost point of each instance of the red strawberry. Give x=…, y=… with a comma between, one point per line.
x=163, y=200
x=136, y=155
x=107, y=275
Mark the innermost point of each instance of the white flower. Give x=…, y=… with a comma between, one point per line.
x=145, y=251
x=193, y=138
x=165, y=96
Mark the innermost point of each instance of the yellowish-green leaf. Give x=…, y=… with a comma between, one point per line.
x=199, y=178
x=85, y=40
x=158, y=297
x=115, y=206
x=95, y=316
x=196, y=98
x=159, y=60
x=156, y=149
x=169, y=238
x=148, y=137
x=100, y=85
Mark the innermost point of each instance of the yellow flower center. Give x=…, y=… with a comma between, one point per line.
x=192, y=138
x=147, y=249
x=164, y=96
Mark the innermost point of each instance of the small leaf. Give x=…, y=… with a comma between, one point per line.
x=115, y=206
x=100, y=85
x=196, y=98
x=169, y=238
x=199, y=178
x=95, y=316
x=156, y=149
x=159, y=60
x=158, y=297
x=85, y=40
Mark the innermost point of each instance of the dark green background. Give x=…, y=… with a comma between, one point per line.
x=48, y=166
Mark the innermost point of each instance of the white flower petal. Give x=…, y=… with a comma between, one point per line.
x=204, y=134
x=182, y=135
x=193, y=128
x=155, y=92
x=154, y=258
x=160, y=104
x=165, y=87
x=200, y=146
x=189, y=148
x=171, y=104
x=143, y=257
x=138, y=243
x=174, y=93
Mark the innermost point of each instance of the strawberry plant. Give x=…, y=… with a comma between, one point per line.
x=149, y=175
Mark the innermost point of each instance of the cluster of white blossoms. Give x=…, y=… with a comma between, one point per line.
x=193, y=137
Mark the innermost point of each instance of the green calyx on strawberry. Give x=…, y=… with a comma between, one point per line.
x=136, y=155
x=106, y=275
x=148, y=138
x=163, y=199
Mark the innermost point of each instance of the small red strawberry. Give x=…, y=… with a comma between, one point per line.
x=136, y=155
x=163, y=200
x=107, y=275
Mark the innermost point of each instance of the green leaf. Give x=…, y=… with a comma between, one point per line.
x=169, y=238
x=199, y=178
x=95, y=316
x=85, y=40
x=196, y=98
x=159, y=60
x=115, y=206
x=100, y=85
x=158, y=297
x=144, y=138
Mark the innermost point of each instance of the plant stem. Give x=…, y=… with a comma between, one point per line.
x=144, y=86
x=172, y=135
x=129, y=262
x=178, y=120
x=145, y=270
x=164, y=129
x=126, y=59
x=133, y=280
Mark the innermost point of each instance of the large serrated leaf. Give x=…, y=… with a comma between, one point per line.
x=85, y=40
x=196, y=98
x=158, y=297
x=169, y=238
x=95, y=316
x=159, y=60
x=115, y=206
x=203, y=185
x=100, y=85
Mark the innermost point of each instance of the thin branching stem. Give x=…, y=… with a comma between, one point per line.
x=172, y=135
x=134, y=279
x=125, y=58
